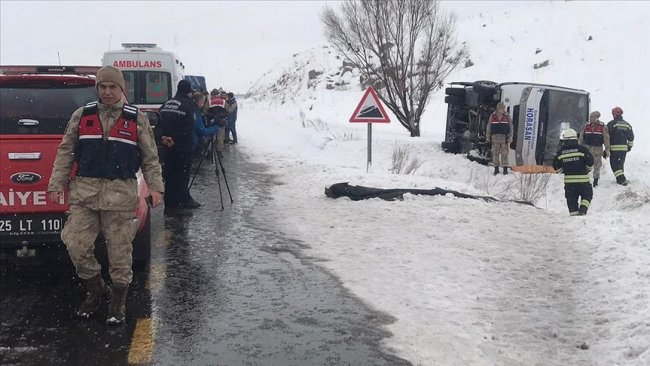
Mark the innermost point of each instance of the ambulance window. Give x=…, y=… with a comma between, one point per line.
x=129, y=76
x=157, y=87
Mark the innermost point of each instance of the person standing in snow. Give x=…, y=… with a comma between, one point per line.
x=110, y=141
x=621, y=138
x=594, y=135
x=231, y=107
x=499, y=133
x=575, y=161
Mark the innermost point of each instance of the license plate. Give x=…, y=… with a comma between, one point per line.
x=25, y=225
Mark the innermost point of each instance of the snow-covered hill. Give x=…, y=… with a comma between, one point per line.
x=469, y=282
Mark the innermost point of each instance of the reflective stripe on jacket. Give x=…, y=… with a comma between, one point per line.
x=621, y=135
x=575, y=161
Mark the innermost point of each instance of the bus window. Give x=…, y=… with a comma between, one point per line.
x=157, y=87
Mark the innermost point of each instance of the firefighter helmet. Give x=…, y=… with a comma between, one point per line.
x=569, y=134
x=617, y=111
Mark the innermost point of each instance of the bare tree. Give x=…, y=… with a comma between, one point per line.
x=404, y=49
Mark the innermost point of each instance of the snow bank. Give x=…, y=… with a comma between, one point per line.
x=470, y=282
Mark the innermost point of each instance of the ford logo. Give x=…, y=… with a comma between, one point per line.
x=25, y=178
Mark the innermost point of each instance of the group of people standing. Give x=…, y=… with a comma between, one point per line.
x=188, y=123
x=577, y=156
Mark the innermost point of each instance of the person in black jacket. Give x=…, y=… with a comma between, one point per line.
x=575, y=161
x=177, y=125
x=621, y=138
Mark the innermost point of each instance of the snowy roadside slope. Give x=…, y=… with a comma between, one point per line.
x=469, y=282
x=611, y=66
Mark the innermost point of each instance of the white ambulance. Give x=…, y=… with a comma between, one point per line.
x=151, y=73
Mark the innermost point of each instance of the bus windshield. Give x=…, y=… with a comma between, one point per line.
x=147, y=87
x=561, y=110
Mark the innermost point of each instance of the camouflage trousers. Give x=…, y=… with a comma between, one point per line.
x=500, y=150
x=597, y=153
x=79, y=235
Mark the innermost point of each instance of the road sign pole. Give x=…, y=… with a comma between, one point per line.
x=369, y=147
x=370, y=111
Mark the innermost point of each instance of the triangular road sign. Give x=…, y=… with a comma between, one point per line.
x=370, y=109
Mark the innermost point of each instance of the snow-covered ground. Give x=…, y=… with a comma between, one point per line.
x=471, y=282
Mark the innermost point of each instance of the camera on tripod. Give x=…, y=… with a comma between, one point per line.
x=216, y=116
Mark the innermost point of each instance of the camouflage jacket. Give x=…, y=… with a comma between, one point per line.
x=100, y=193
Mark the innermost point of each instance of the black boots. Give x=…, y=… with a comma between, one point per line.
x=191, y=203
x=595, y=182
x=117, y=307
x=496, y=170
x=96, y=293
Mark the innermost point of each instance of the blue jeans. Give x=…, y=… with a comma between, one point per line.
x=231, y=129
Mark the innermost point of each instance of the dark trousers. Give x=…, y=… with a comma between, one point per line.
x=230, y=128
x=617, y=162
x=578, y=197
x=177, y=171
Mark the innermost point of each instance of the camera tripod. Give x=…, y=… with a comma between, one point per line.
x=215, y=159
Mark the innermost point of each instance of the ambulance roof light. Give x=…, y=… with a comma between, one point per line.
x=139, y=45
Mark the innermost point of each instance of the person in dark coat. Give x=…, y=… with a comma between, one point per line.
x=621, y=138
x=177, y=122
x=575, y=161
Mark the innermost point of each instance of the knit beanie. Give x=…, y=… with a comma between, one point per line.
x=184, y=87
x=110, y=73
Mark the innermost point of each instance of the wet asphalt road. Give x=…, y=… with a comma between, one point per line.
x=221, y=289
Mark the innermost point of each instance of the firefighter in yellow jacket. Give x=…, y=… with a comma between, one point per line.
x=110, y=142
x=622, y=140
x=575, y=161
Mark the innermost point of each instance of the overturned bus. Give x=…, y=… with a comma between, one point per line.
x=540, y=113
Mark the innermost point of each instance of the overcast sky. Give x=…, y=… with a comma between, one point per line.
x=232, y=43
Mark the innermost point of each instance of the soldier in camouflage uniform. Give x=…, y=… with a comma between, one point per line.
x=110, y=142
x=499, y=133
